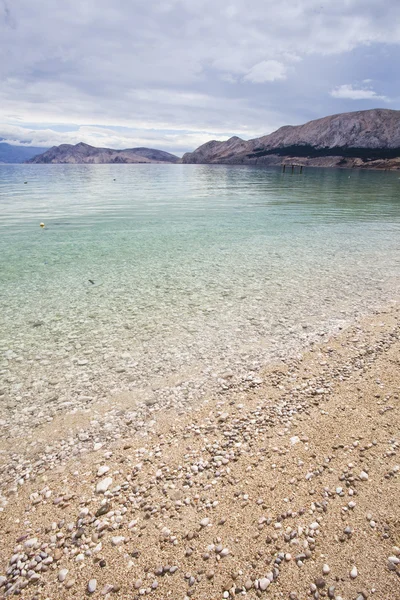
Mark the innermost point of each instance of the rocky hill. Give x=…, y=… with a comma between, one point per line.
x=83, y=153
x=369, y=138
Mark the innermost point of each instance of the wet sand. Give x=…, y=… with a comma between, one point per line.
x=282, y=486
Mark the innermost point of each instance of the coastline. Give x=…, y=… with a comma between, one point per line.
x=270, y=463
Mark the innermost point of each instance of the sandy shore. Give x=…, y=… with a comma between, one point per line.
x=286, y=487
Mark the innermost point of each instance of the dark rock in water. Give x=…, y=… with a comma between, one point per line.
x=37, y=323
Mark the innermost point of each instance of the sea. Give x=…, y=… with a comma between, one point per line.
x=158, y=276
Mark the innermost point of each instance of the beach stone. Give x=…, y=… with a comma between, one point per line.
x=264, y=583
x=117, y=539
x=364, y=476
x=103, y=485
x=354, y=572
x=103, y=510
x=204, y=522
x=325, y=569
x=102, y=470
x=331, y=591
x=92, y=585
x=62, y=574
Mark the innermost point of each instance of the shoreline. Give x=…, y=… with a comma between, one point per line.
x=291, y=161
x=282, y=453
x=126, y=411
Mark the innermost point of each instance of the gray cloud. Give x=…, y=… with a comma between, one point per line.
x=179, y=72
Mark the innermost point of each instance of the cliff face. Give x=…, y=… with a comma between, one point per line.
x=369, y=138
x=83, y=153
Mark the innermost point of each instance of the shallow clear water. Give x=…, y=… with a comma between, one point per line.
x=196, y=269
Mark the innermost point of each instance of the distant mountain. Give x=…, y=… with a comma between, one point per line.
x=368, y=139
x=83, y=153
x=17, y=154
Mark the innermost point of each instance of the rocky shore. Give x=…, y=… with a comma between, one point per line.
x=282, y=485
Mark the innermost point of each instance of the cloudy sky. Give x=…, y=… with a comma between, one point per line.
x=173, y=74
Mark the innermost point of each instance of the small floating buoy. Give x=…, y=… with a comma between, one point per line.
x=42, y=225
x=25, y=182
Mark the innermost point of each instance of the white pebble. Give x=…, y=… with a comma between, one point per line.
x=62, y=575
x=353, y=573
x=264, y=583
x=102, y=470
x=326, y=569
x=117, y=539
x=103, y=485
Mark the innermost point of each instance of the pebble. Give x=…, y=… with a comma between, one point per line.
x=204, y=522
x=326, y=569
x=264, y=583
x=107, y=589
x=354, y=572
x=62, y=574
x=103, y=485
x=102, y=470
x=117, y=539
x=364, y=476
x=92, y=585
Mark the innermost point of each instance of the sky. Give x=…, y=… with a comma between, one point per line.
x=174, y=74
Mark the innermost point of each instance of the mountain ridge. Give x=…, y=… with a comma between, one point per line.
x=369, y=138
x=82, y=153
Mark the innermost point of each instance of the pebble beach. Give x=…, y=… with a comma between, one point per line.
x=281, y=484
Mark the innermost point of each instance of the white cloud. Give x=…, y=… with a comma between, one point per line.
x=176, y=142
x=347, y=91
x=266, y=71
x=170, y=65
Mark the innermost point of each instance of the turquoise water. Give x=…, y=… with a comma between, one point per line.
x=196, y=270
